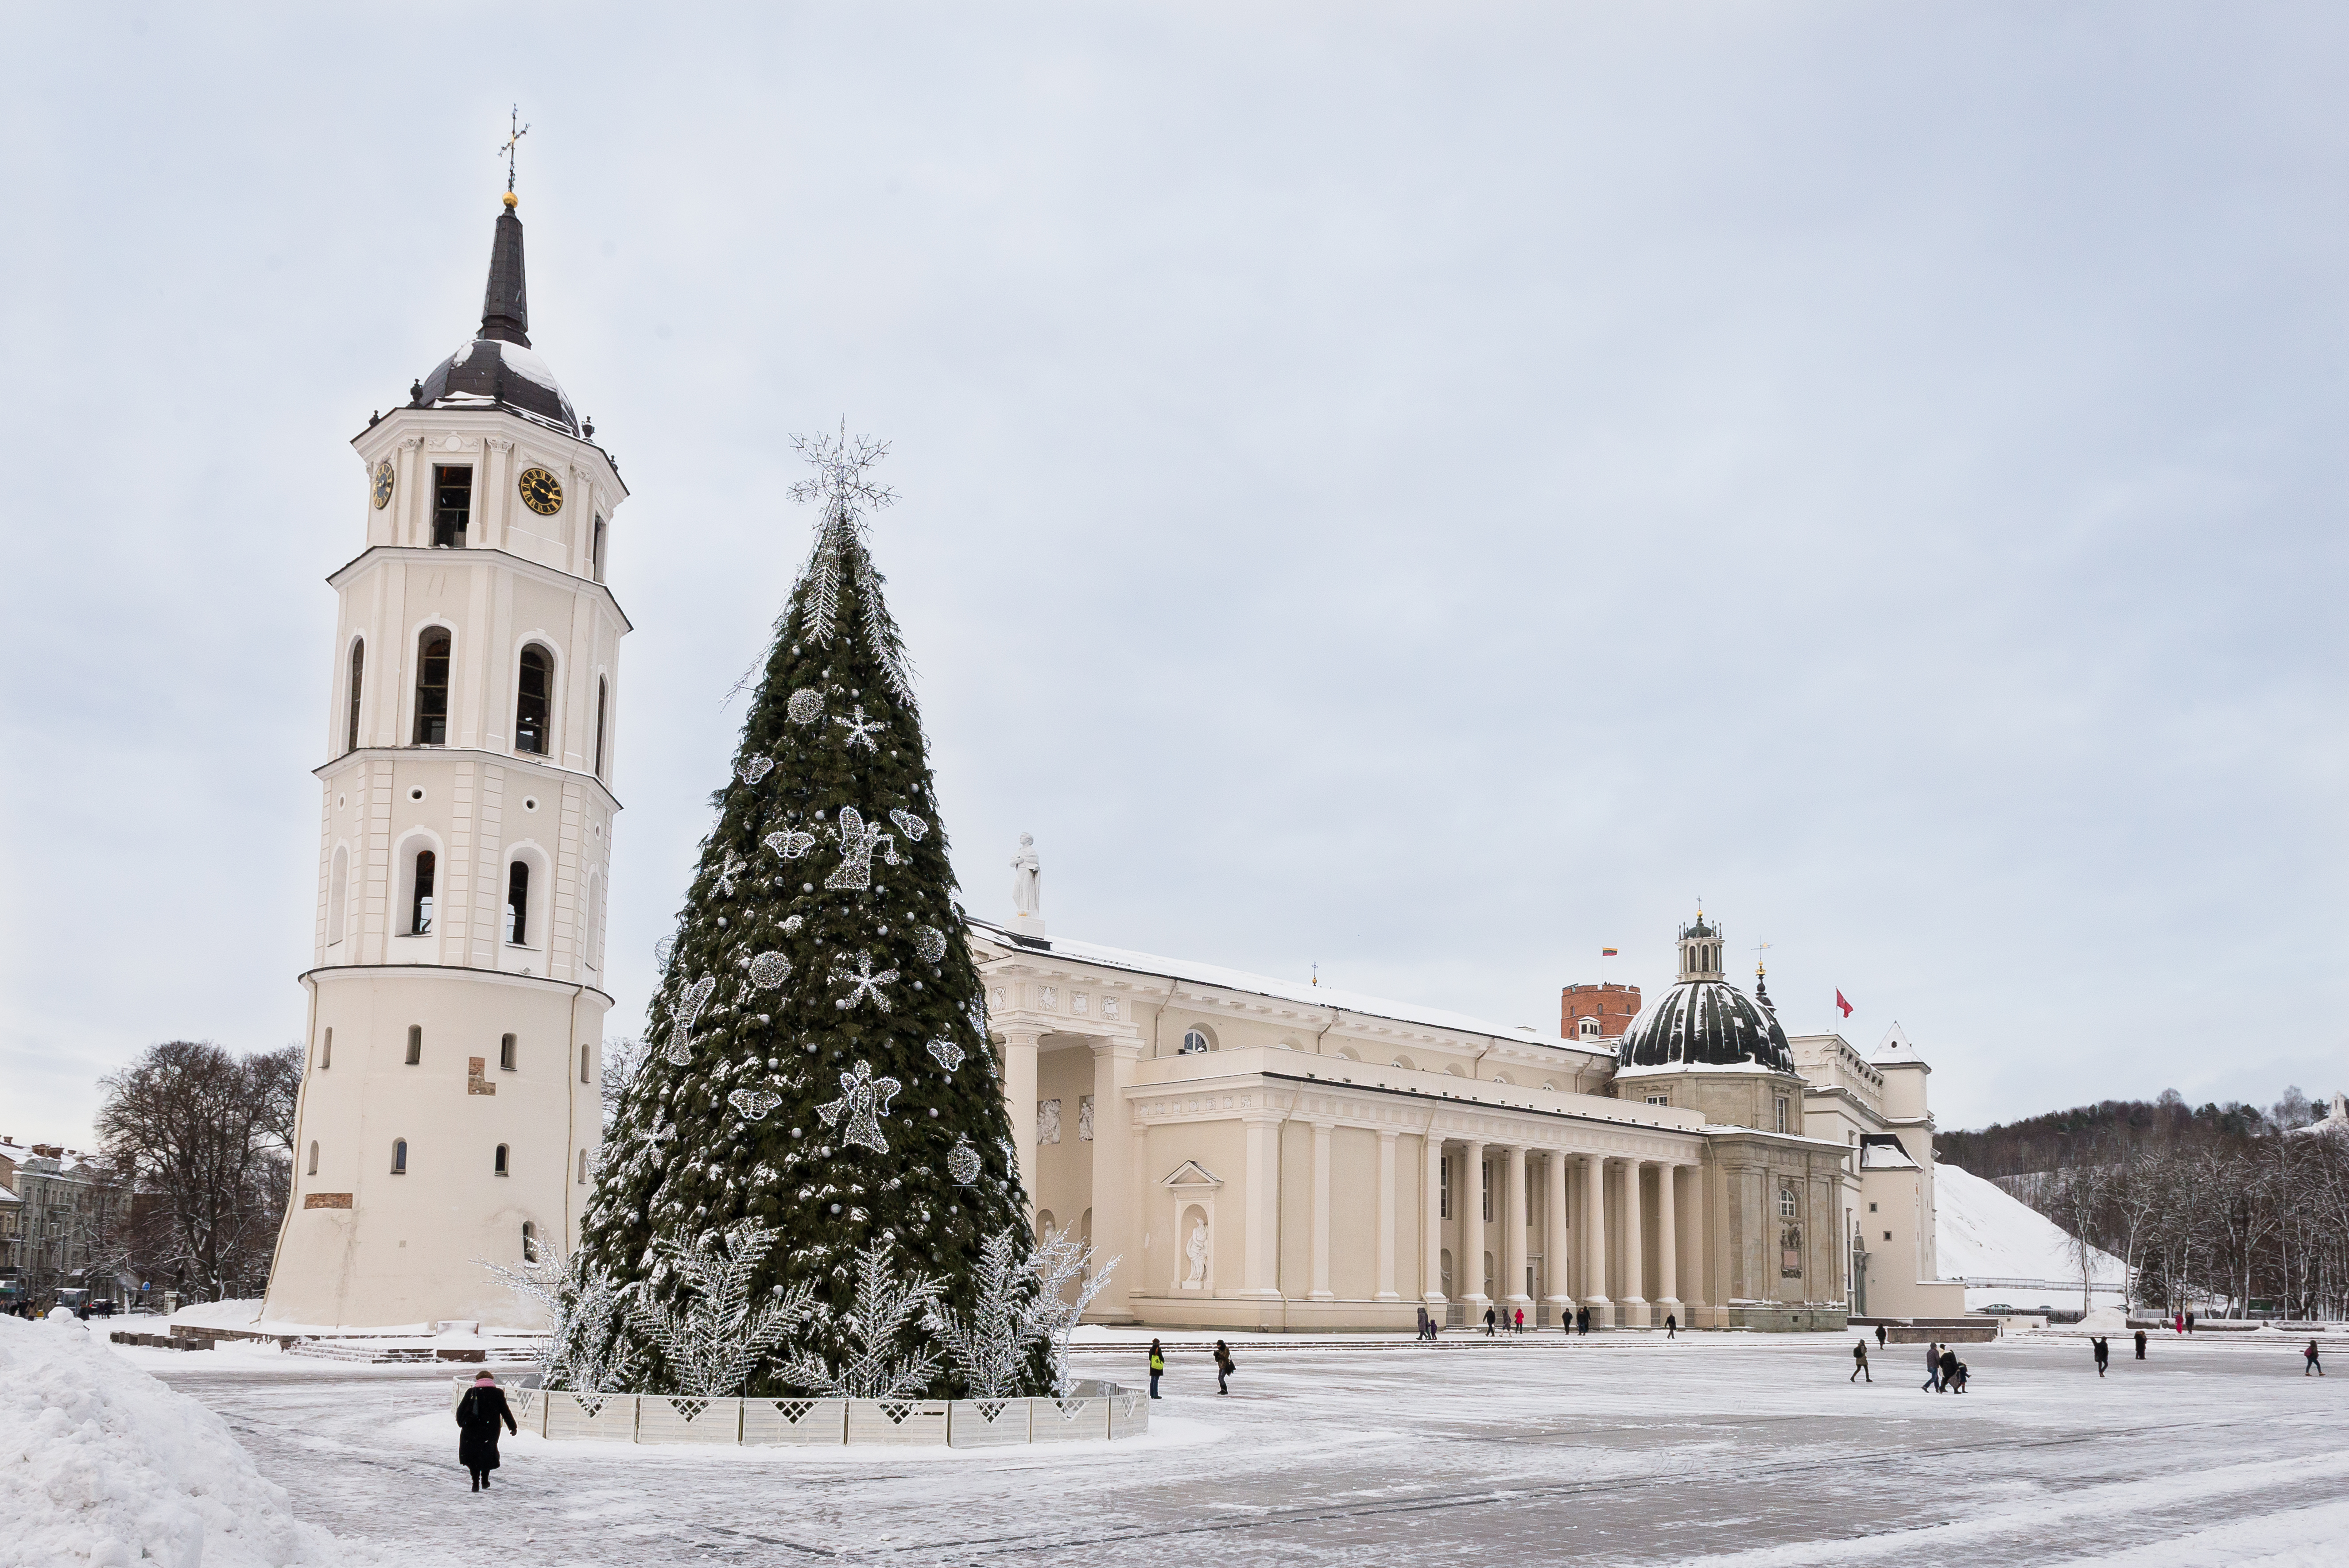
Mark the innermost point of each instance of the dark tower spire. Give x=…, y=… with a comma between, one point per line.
x=505, y=308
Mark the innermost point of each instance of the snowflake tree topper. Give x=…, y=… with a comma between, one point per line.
x=842, y=485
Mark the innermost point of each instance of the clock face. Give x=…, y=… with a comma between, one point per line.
x=382, y=484
x=541, y=492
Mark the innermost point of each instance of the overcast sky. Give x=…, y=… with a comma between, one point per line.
x=1429, y=493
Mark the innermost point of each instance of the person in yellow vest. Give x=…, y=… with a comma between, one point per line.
x=1157, y=1366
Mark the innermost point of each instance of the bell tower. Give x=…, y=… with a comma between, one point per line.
x=450, y=1108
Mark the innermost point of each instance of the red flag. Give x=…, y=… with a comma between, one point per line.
x=1844, y=1005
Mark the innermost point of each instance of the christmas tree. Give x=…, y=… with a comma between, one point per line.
x=811, y=1181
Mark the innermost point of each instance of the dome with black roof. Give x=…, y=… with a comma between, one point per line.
x=498, y=369
x=1704, y=1021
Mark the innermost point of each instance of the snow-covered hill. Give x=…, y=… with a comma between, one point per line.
x=1982, y=1234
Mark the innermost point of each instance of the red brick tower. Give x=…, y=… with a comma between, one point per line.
x=1611, y=1007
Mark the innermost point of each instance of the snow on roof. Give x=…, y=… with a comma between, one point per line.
x=1877, y=1152
x=1894, y=1048
x=1285, y=990
x=1982, y=1232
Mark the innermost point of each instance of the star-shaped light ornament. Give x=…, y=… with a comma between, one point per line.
x=864, y=983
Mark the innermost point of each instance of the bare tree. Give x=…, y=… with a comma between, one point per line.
x=623, y=1055
x=206, y=1137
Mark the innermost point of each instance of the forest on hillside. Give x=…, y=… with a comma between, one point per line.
x=2226, y=1205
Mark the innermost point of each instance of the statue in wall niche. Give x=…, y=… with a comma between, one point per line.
x=1027, y=879
x=1196, y=1249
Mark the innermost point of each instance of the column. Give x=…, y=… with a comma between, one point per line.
x=1260, y=1219
x=1668, y=1244
x=1386, y=1285
x=1594, y=1240
x=1020, y=1093
x=1554, y=1240
x=1513, y=1216
x=1468, y=1268
x=1430, y=1223
x=1321, y=1290
x=1634, y=1299
x=1117, y=1203
x=1699, y=1256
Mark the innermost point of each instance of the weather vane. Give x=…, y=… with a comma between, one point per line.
x=1759, y=949
x=519, y=130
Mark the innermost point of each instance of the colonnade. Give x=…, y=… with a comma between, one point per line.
x=1601, y=1262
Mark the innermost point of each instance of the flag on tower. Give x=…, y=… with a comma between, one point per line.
x=1605, y=953
x=1844, y=1005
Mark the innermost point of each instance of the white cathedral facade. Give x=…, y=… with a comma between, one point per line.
x=1261, y=1155
x=451, y=1110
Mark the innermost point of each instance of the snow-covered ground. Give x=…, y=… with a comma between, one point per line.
x=1621, y=1448
x=1982, y=1233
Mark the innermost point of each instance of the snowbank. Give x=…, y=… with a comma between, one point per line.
x=1981, y=1234
x=218, y=1314
x=101, y=1464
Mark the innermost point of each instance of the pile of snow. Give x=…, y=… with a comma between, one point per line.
x=1981, y=1234
x=102, y=1465
x=232, y=1314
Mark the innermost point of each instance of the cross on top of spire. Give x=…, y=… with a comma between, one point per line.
x=516, y=132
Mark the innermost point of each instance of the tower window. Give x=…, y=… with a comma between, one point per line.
x=358, y=683
x=399, y=1157
x=603, y=693
x=596, y=555
x=583, y=1063
x=529, y=1242
x=326, y=1051
x=314, y=1159
x=502, y=1159
x=518, y=901
x=432, y=687
x=420, y=903
x=415, y=1044
x=1443, y=1187
x=1782, y=1113
x=530, y=700
x=452, y=505
x=582, y=1168
x=505, y=1053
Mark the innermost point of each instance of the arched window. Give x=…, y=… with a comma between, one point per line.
x=518, y=902
x=1405, y=1063
x=337, y=894
x=584, y=1059
x=1786, y=1201
x=415, y=1044
x=582, y=1168
x=326, y=1051
x=537, y=679
x=529, y=1242
x=596, y=555
x=603, y=692
x=1195, y=1043
x=359, y=684
x=505, y=1053
x=399, y=1157
x=502, y=1159
x=432, y=687
x=420, y=903
x=314, y=1158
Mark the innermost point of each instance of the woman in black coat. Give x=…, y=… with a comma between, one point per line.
x=478, y=1415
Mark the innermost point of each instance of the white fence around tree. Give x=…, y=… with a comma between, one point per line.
x=1096, y=1412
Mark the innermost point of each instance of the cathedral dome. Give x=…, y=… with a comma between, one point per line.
x=1704, y=1021
x=497, y=370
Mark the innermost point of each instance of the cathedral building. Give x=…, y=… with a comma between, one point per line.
x=1263, y=1154
x=451, y=1109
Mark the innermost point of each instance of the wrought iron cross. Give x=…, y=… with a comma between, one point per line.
x=518, y=131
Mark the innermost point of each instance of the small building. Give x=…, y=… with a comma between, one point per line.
x=63, y=1214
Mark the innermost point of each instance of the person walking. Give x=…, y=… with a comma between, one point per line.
x=1859, y=1361
x=2190, y=1323
x=1879, y=1337
x=1158, y=1366
x=1491, y=1317
x=2140, y=1344
x=1949, y=1365
x=2179, y=1323
x=2104, y=1350
x=1960, y=1373
x=2314, y=1365
x=478, y=1415
x=1223, y=1365
x=1582, y=1321
x=1672, y=1320
x=1932, y=1368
